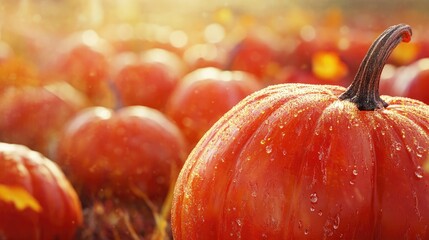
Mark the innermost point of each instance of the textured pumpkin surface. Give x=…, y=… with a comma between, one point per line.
x=36, y=200
x=293, y=161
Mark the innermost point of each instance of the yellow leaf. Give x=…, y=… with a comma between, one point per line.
x=19, y=197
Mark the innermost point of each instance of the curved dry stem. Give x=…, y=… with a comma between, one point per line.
x=364, y=90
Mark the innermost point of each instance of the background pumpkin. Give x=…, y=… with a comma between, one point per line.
x=411, y=81
x=204, y=95
x=121, y=154
x=36, y=200
x=293, y=161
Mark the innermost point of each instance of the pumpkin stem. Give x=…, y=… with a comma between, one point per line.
x=364, y=90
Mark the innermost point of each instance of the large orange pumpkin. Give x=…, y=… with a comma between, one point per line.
x=37, y=202
x=299, y=161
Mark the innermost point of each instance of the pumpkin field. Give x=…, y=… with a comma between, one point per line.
x=193, y=120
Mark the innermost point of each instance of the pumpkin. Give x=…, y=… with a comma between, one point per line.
x=300, y=161
x=36, y=199
x=121, y=154
x=204, y=95
x=410, y=81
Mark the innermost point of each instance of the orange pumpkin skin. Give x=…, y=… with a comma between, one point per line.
x=293, y=161
x=36, y=199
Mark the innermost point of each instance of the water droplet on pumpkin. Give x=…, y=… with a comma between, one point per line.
x=409, y=149
x=355, y=172
x=306, y=232
x=419, y=151
x=254, y=194
x=295, y=114
x=330, y=128
x=263, y=141
x=284, y=152
x=419, y=172
x=281, y=126
x=336, y=223
x=239, y=222
x=352, y=182
x=269, y=149
x=312, y=209
x=299, y=224
x=320, y=213
x=321, y=154
x=398, y=146
x=313, y=198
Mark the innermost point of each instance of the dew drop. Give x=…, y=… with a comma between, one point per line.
x=403, y=133
x=336, y=223
x=306, y=231
x=320, y=213
x=355, y=172
x=313, y=198
x=398, y=146
x=269, y=149
x=330, y=128
x=419, y=151
x=263, y=141
x=284, y=152
x=239, y=222
x=419, y=172
x=254, y=194
x=321, y=154
x=299, y=224
x=312, y=209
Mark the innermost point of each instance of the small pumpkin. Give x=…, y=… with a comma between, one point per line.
x=301, y=161
x=36, y=199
